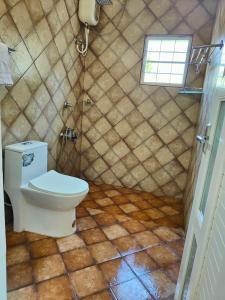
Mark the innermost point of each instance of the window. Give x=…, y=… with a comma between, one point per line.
x=165, y=60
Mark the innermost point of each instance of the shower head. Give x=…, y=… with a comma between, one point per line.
x=104, y=2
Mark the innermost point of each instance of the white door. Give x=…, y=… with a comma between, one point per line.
x=205, y=201
x=2, y=234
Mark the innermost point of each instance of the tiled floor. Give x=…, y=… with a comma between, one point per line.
x=128, y=246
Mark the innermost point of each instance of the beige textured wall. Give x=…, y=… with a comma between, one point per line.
x=46, y=71
x=137, y=135
x=207, y=102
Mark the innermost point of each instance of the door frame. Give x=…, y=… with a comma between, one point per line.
x=3, y=287
x=196, y=220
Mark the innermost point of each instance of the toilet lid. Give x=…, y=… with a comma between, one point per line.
x=56, y=183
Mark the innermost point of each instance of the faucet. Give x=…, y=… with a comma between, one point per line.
x=69, y=134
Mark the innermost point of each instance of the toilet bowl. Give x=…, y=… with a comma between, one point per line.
x=43, y=202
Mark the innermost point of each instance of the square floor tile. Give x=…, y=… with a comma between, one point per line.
x=93, y=236
x=141, y=263
x=166, y=234
x=89, y=204
x=114, y=231
x=113, y=209
x=178, y=246
x=149, y=224
x=85, y=223
x=70, y=242
x=156, y=202
x=143, y=204
x=169, y=211
x=158, y=284
x=128, y=208
x=154, y=213
x=116, y=271
x=165, y=222
x=88, y=281
x=120, y=199
x=95, y=211
x=132, y=290
x=32, y=237
x=140, y=216
x=43, y=248
x=122, y=218
x=17, y=254
x=19, y=276
x=133, y=226
x=57, y=288
x=134, y=197
x=104, y=202
x=81, y=212
x=26, y=293
x=163, y=255
x=126, y=245
x=112, y=193
x=105, y=219
x=48, y=267
x=77, y=259
x=15, y=238
x=104, y=251
x=105, y=295
x=146, y=239
x=173, y=271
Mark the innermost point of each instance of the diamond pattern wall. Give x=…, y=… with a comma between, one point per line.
x=46, y=72
x=137, y=135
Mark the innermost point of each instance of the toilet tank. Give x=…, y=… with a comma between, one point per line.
x=23, y=162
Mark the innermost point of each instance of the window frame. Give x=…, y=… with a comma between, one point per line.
x=166, y=37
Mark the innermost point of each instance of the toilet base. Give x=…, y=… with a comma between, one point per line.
x=48, y=222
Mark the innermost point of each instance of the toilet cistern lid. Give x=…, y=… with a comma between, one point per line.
x=59, y=184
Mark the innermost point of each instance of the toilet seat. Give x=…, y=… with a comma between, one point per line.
x=55, y=183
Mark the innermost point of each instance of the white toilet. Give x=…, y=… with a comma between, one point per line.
x=43, y=202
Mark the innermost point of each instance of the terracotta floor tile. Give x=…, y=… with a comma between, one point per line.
x=89, y=204
x=94, y=188
x=105, y=295
x=154, y=213
x=104, y=202
x=143, y=204
x=95, y=211
x=149, y=224
x=146, y=239
x=163, y=255
x=98, y=195
x=126, y=245
x=165, y=234
x=120, y=199
x=112, y=193
x=178, y=219
x=140, y=216
x=70, y=242
x=15, y=238
x=43, y=248
x=113, y=209
x=156, y=202
x=26, y=293
x=93, y=236
x=114, y=231
x=169, y=211
x=141, y=263
x=116, y=271
x=178, y=246
x=134, y=197
x=105, y=219
x=88, y=281
x=173, y=271
x=133, y=226
x=77, y=259
x=85, y=223
x=32, y=237
x=131, y=290
x=128, y=208
x=17, y=254
x=48, y=267
x=104, y=251
x=158, y=284
x=56, y=288
x=122, y=218
x=165, y=222
x=19, y=276
x=81, y=212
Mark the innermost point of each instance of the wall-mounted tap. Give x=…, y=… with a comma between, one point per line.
x=69, y=134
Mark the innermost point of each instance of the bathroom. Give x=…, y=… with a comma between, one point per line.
x=112, y=129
